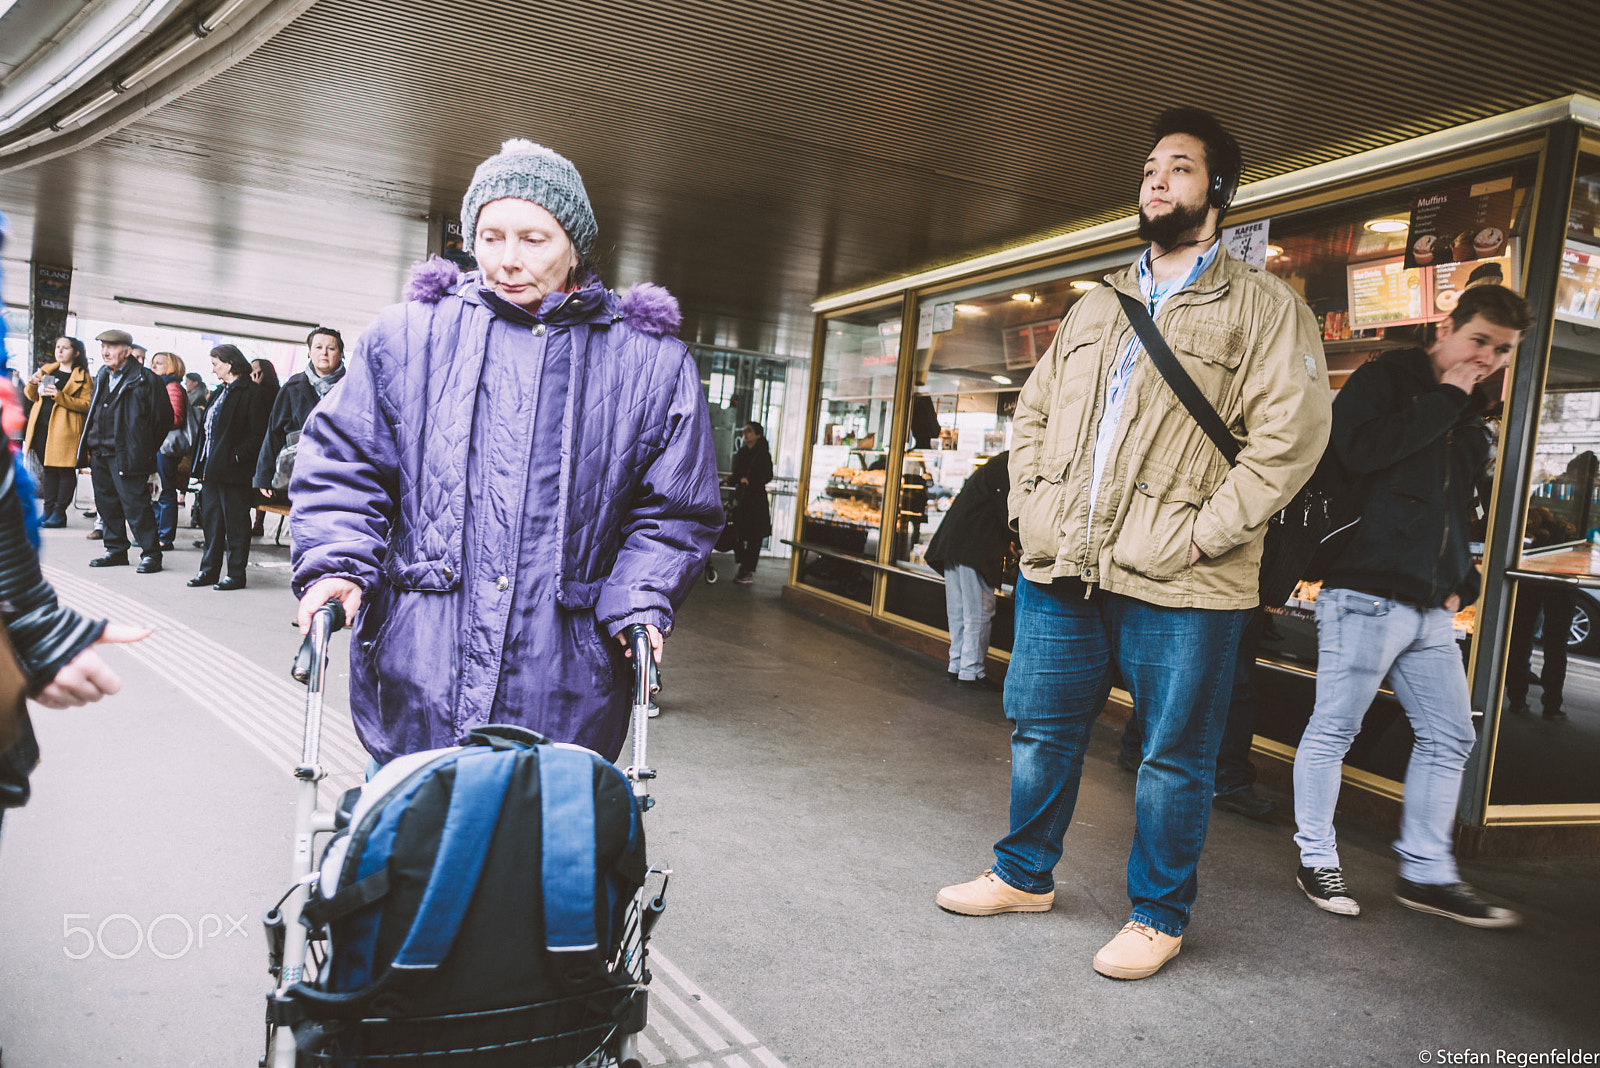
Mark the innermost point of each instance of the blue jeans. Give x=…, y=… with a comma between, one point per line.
x=969, y=605
x=1178, y=666
x=1360, y=639
x=167, y=502
x=1235, y=770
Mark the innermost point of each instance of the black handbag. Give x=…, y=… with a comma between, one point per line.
x=1306, y=534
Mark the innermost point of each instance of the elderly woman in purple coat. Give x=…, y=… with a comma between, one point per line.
x=517, y=466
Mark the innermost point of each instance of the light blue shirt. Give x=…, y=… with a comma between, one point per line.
x=1156, y=297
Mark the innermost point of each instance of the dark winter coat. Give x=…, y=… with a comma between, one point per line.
x=1413, y=448
x=976, y=531
x=295, y=401
x=140, y=414
x=510, y=491
x=752, y=513
x=227, y=452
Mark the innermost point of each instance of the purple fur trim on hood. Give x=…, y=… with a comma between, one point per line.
x=432, y=280
x=652, y=310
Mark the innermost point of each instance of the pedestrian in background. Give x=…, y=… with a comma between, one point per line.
x=199, y=399
x=517, y=467
x=969, y=549
x=752, y=513
x=129, y=416
x=225, y=462
x=169, y=368
x=265, y=376
x=60, y=394
x=324, y=369
x=1409, y=433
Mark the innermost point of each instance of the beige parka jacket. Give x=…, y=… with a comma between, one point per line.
x=1252, y=346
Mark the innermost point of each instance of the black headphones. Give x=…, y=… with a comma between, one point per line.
x=1223, y=186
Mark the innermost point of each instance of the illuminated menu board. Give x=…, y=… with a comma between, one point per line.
x=1578, y=293
x=1450, y=279
x=1387, y=293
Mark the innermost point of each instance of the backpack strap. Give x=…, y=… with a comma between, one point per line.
x=469, y=824
x=1177, y=379
x=566, y=799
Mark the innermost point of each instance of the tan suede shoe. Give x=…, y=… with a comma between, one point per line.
x=1137, y=952
x=989, y=894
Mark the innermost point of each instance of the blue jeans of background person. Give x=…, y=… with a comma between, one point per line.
x=969, y=604
x=1178, y=666
x=167, y=503
x=1360, y=639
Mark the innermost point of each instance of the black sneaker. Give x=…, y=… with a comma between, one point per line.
x=1325, y=887
x=1245, y=803
x=1453, y=901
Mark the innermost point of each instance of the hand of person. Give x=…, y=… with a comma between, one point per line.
x=1452, y=603
x=87, y=678
x=744, y=482
x=1463, y=376
x=1194, y=554
x=265, y=493
x=655, y=643
x=321, y=592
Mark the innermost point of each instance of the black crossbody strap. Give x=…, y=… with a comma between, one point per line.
x=1178, y=379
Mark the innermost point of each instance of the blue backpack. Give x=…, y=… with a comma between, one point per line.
x=478, y=899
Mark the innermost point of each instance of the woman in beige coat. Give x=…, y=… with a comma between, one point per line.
x=59, y=393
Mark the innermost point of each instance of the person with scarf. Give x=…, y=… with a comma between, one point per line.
x=517, y=467
x=295, y=401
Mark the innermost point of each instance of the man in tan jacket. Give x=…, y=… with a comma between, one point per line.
x=1141, y=544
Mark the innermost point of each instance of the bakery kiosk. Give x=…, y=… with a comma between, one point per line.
x=915, y=380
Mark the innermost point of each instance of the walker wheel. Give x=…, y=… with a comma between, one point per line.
x=711, y=576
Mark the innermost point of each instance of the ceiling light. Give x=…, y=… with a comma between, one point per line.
x=969, y=309
x=1002, y=379
x=1387, y=226
x=1083, y=285
x=1026, y=298
x=1274, y=251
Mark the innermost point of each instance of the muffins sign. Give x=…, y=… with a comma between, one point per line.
x=1461, y=224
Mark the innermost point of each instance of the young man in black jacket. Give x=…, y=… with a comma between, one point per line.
x=1409, y=434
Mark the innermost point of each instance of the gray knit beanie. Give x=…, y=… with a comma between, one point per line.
x=533, y=172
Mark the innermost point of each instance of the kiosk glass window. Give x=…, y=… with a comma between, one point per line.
x=1552, y=672
x=975, y=347
x=855, y=416
x=1378, y=272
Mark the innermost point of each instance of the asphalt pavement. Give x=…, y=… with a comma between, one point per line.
x=817, y=786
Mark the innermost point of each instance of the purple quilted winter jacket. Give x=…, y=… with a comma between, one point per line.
x=380, y=496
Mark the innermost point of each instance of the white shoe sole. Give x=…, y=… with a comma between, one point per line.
x=1488, y=923
x=1338, y=906
x=1116, y=971
x=950, y=904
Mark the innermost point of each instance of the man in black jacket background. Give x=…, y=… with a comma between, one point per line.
x=129, y=416
x=1409, y=436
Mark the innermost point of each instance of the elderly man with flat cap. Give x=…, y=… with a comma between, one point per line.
x=128, y=417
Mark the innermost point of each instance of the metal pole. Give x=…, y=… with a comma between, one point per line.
x=1547, y=237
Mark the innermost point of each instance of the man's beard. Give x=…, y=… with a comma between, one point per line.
x=1169, y=229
